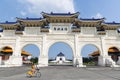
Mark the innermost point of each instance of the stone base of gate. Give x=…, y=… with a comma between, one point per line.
x=43, y=62
x=14, y=61
x=106, y=61
x=78, y=62
x=101, y=61
x=118, y=62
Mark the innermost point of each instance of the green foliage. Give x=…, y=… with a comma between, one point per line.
x=89, y=61
x=34, y=60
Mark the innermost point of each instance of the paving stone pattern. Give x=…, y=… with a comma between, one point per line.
x=62, y=73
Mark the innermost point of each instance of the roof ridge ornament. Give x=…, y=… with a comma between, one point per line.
x=51, y=12
x=114, y=22
x=6, y=21
x=69, y=13
x=75, y=15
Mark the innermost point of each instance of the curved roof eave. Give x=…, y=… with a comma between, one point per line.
x=111, y=24
x=30, y=19
x=9, y=23
x=90, y=20
x=60, y=14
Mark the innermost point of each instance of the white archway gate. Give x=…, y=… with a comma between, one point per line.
x=59, y=27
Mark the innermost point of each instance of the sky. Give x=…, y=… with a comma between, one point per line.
x=109, y=9
x=10, y=9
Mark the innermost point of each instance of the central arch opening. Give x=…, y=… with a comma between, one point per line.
x=60, y=53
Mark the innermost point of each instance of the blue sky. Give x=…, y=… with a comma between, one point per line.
x=10, y=9
x=106, y=8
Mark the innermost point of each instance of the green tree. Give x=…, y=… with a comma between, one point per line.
x=34, y=60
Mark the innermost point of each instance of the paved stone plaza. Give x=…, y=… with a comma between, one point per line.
x=62, y=73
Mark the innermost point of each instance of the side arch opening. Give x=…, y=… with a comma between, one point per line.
x=5, y=53
x=114, y=53
x=30, y=54
x=90, y=54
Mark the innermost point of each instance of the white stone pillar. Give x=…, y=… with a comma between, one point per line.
x=16, y=50
x=78, y=62
x=103, y=55
x=16, y=58
x=77, y=54
x=43, y=59
x=101, y=61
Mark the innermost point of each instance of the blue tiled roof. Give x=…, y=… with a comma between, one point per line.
x=60, y=54
x=60, y=14
x=112, y=23
x=92, y=19
x=67, y=14
x=27, y=18
x=8, y=22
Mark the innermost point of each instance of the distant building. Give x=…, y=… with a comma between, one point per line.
x=60, y=59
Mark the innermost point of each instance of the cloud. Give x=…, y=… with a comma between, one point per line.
x=98, y=15
x=37, y=6
x=23, y=13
